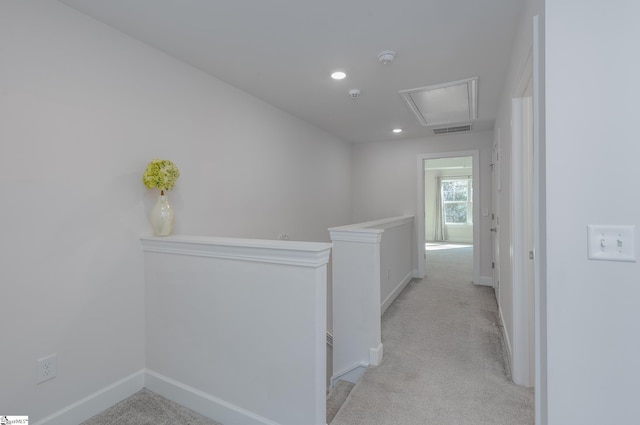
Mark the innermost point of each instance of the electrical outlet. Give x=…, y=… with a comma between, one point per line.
x=283, y=237
x=47, y=368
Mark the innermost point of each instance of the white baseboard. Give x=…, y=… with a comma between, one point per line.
x=486, y=281
x=201, y=402
x=192, y=398
x=95, y=403
x=506, y=339
x=392, y=296
x=460, y=241
x=375, y=355
x=351, y=374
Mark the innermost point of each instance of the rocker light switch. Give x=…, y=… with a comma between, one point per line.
x=612, y=243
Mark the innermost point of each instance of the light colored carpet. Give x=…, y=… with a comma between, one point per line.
x=443, y=357
x=337, y=397
x=148, y=408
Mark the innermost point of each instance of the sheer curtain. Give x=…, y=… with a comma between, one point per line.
x=439, y=232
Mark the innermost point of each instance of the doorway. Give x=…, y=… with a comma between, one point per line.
x=448, y=203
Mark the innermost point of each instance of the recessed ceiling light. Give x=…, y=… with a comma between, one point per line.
x=338, y=75
x=397, y=130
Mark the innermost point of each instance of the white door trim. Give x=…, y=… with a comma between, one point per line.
x=496, y=188
x=523, y=352
x=540, y=312
x=475, y=155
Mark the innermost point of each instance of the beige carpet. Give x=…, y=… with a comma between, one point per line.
x=337, y=397
x=443, y=357
x=148, y=408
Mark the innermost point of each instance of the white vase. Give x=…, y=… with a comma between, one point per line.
x=162, y=216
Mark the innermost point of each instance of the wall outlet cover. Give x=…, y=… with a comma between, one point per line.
x=47, y=368
x=611, y=243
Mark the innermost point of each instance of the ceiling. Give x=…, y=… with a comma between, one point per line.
x=283, y=51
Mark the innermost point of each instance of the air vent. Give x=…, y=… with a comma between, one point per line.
x=456, y=129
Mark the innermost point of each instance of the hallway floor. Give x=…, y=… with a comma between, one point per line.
x=444, y=361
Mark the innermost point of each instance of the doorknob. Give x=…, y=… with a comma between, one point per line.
x=494, y=229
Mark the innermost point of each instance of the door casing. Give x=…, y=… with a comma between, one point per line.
x=420, y=240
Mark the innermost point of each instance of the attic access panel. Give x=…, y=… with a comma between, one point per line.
x=444, y=103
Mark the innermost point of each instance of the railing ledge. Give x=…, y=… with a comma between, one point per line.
x=304, y=254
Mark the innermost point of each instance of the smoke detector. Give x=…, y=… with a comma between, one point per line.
x=386, y=57
x=354, y=93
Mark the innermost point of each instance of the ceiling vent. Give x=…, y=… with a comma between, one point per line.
x=456, y=129
x=446, y=103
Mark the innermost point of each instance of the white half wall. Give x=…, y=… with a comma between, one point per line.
x=372, y=264
x=83, y=108
x=356, y=300
x=236, y=328
x=397, y=249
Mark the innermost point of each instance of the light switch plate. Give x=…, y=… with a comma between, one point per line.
x=611, y=243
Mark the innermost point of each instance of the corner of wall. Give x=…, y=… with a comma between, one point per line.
x=95, y=403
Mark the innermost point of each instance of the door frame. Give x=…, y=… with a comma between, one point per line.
x=521, y=219
x=496, y=188
x=539, y=224
x=420, y=218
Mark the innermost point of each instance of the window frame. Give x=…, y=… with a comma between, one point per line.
x=468, y=203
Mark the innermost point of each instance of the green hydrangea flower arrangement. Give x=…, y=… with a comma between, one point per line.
x=160, y=173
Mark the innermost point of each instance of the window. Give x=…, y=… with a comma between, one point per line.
x=456, y=201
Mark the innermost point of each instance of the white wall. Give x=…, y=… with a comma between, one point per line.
x=397, y=253
x=593, y=306
x=519, y=54
x=384, y=179
x=592, y=365
x=83, y=108
x=459, y=233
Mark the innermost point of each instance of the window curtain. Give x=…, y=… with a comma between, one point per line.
x=439, y=232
